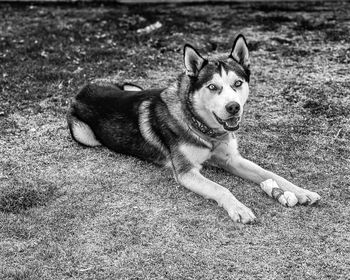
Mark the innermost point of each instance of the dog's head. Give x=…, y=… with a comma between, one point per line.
x=219, y=86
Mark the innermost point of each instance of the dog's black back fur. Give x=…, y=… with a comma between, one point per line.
x=113, y=115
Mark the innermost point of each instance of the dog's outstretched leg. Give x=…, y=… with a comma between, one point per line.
x=227, y=156
x=186, y=163
x=197, y=183
x=251, y=171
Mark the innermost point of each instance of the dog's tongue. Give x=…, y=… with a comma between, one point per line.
x=232, y=122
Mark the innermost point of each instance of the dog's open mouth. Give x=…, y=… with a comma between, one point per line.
x=230, y=124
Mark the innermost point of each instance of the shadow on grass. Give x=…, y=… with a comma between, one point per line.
x=21, y=198
x=326, y=99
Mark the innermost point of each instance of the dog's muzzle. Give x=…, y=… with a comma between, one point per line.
x=230, y=124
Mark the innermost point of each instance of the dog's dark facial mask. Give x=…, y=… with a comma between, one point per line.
x=219, y=85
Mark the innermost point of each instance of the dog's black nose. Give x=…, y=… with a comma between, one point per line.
x=232, y=107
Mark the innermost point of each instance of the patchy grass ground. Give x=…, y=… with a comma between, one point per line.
x=67, y=212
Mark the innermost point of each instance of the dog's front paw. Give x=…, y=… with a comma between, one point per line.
x=240, y=213
x=306, y=197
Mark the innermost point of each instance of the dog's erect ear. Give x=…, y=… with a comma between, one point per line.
x=240, y=51
x=131, y=87
x=193, y=61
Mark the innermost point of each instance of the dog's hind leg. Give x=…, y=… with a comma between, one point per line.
x=82, y=133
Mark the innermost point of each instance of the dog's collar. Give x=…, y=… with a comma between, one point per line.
x=203, y=128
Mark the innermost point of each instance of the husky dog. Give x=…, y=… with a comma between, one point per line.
x=181, y=127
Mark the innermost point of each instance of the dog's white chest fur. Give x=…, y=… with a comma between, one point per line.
x=195, y=155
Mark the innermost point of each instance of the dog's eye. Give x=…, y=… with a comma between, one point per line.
x=238, y=83
x=212, y=87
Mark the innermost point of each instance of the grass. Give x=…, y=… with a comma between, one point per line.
x=68, y=212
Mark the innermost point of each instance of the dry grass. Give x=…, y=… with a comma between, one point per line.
x=68, y=212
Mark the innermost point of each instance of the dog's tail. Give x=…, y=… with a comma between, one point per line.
x=130, y=87
x=122, y=86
